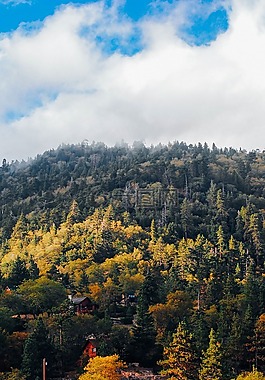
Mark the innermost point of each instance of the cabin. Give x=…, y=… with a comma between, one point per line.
x=89, y=351
x=83, y=305
x=90, y=347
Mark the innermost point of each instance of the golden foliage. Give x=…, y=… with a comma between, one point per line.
x=103, y=368
x=254, y=375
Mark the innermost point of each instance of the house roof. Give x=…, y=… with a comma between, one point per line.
x=78, y=300
x=92, y=342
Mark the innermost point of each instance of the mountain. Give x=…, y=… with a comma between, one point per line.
x=154, y=236
x=96, y=176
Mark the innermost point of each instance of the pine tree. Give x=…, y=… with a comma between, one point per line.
x=211, y=360
x=234, y=351
x=20, y=229
x=74, y=214
x=199, y=331
x=251, y=293
x=153, y=233
x=18, y=273
x=143, y=332
x=254, y=230
x=221, y=211
x=257, y=344
x=37, y=347
x=33, y=269
x=220, y=239
x=186, y=217
x=212, y=209
x=179, y=361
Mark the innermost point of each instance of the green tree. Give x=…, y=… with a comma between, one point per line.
x=211, y=368
x=37, y=347
x=251, y=293
x=186, y=216
x=143, y=331
x=18, y=273
x=254, y=230
x=42, y=295
x=220, y=205
x=212, y=209
x=33, y=270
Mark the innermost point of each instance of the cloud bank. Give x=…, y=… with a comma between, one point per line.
x=89, y=72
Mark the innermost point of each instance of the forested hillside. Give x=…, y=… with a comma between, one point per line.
x=167, y=241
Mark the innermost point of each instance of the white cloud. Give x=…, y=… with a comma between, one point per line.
x=15, y=2
x=68, y=89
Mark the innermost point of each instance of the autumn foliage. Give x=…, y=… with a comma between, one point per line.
x=103, y=368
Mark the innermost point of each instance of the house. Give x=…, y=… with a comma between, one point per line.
x=83, y=305
x=90, y=347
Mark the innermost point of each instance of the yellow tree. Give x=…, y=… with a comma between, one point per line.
x=254, y=375
x=103, y=368
x=167, y=315
x=179, y=361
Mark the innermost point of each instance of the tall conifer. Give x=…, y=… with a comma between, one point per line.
x=37, y=347
x=179, y=361
x=211, y=360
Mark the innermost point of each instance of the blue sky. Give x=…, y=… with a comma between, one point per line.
x=112, y=70
x=202, y=28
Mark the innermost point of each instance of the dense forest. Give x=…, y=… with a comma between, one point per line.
x=167, y=241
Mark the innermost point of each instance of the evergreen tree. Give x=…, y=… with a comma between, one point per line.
x=257, y=344
x=20, y=229
x=83, y=283
x=199, y=331
x=233, y=357
x=18, y=273
x=53, y=273
x=74, y=214
x=220, y=239
x=143, y=331
x=186, y=217
x=212, y=209
x=254, y=230
x=211, y=368
x=37, y=347
x=153, y=233
x=179, y=361
x=221, y=211
x=251, y=293
x=33, y=270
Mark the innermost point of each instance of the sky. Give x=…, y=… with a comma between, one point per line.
x=131, y=70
